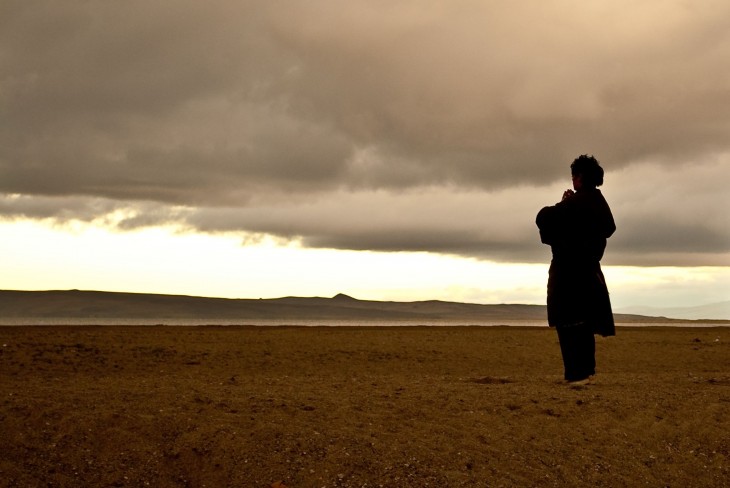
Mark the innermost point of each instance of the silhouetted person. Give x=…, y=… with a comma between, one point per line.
x=577, y=298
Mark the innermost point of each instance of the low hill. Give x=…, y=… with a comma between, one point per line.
x=717, y=310
x=110, y=305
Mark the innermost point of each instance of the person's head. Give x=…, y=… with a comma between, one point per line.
x=586, y=171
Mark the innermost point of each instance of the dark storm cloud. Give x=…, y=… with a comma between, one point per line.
x=323, y=121
x=433, y=219
x=67, y=208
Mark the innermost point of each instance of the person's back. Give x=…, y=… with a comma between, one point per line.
x=577, y=227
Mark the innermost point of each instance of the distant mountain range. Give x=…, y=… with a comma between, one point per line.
x=719, y=310
x=78, y=304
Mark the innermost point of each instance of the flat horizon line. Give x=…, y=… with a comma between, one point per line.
x=81, y=303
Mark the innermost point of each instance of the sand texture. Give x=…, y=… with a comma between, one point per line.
x=354, y=407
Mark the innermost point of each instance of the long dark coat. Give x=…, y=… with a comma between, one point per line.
x=576, y=230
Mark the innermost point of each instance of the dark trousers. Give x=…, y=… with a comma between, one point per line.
x=578, y=347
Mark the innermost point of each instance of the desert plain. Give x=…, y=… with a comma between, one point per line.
x=451, y=406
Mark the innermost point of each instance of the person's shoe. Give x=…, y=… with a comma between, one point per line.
x=583, y=382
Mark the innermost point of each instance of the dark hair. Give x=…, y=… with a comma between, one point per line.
x=587, y=167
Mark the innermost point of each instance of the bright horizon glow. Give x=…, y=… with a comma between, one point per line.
x=43, y=256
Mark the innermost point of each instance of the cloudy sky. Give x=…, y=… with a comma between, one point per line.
x=389, y=149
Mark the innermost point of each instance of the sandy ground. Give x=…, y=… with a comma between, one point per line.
x=354, y=407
